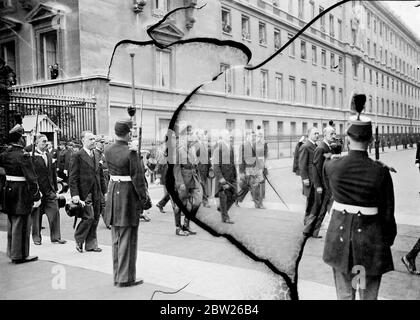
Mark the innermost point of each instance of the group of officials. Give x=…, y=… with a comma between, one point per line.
x=359, y=192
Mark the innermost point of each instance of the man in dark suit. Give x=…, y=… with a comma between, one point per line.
x=21, y=194
x=296, y=155
x=362, y=227
x=322, y=195
x=125, y=203
x=87, y=185
x=225, y=173
x=162, y=170
x=63, y=163
x=47, y=180
x=306, y=157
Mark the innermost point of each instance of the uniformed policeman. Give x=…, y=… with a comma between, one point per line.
x=126, y=197
x=362, y=227
x=187, y=182
x=21, y=194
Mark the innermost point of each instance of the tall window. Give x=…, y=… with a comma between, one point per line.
x=370, y=104
x=304, y=127
x=314, y=55
x=228, y=77
x=279, y=128
x=291, y=46
x=332, y=31
x=332, y=61
x=262, y=33
x=322, y=19
x=324, y=58
x=226, y=21
x=230, y=124
x=293, y=128
x=49, y=53
x=312, y=5
x=324, y=95
x=162, y=5
x=249, y=125
x=314, y=93
x=8, y=54
x=340, y=98
x=333, y=98
x=354, y=69
x=266, y=127
x=277, y=39
x=247, y=82
x=301, y=9
x=292, y=89
x=303, y=50
x=264, y=84
x=340, y=29
x=340, y=64
x=246, y=28
x=304, y=91
x=279, y=87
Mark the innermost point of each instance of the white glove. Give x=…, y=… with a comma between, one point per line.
x=65, y=172
x=306, y=182
x=319, y=190
x=37, y=204
x=417, y=165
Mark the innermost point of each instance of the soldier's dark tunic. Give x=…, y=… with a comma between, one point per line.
x=123, y=208
x=19, y=197
x=359, y=239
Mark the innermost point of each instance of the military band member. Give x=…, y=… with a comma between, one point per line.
x=306, y=157
x=322, y=194
x=362, y=227
x=21, y=194
x=47, y=180
x=187, y=183
x=225, y=174
x=87, y=185
x=126, y=196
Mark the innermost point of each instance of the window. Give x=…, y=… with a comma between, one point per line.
x=340, y=64
x=312, y=5
x=314, y=93
x=246, y=29
x=8, y=54
x=303, y=50
x=332, y=61
x=292, y=89
x=324, y=58
x=226, y=21
x=377, y=78
x=279, y=128
x=228, y=77
x=161, y=5
x=368, y=47
x=266, y=128
x=354, y=65
x=301, y=9
x=368, y=18
x=48, y=53
x=230, y=124
x=340, y=29
x=264, y=84
x=383, y=80
x=333, y=101
x=163, y=67
x=340, y=98
x=291, y=46
x=293, y=128
x=374, y=51
x=332, y=32
x=249, y=125
x=324, y=95
x=370, y=104
x=322, y=19
x=364, y=73
x=314, y=55
x=279, y=87
x=290, y=7
x=304, y=127
x=277, y=39
x=262, y=33
x=370, y=76
x=304, y=90
x=247, y=82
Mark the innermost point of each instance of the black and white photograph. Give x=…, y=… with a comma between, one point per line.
x=214, y=153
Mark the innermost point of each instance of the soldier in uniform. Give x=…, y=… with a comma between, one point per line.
x=21, y=194
x=203, y=156
x=225, y=173
x=161, y=170
x=362, y=227
x=306, y=157
x=187, y=182
x=126, y=199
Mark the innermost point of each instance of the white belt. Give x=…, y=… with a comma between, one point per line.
x=120, y=178
x=369, y=211
x=15, y=178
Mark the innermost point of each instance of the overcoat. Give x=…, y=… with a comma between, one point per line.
x=306, y=158
x=124, y=199
x=224, y=166
x=359, y=239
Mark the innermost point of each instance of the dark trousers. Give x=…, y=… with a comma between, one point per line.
x=345, y=290
x=248, y=184
x=319, y=209
x=124, y=253
x=18, y=234
x=49, y=207
x=227, y=199
x=310, y=200
x=86, y=229
x=415, y=251
x=165, y=198
x=205, y=186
